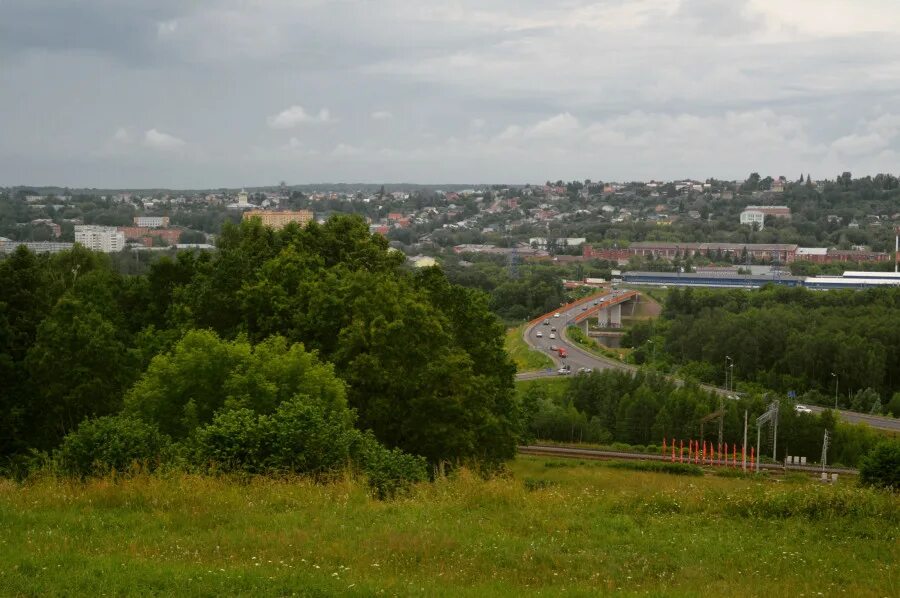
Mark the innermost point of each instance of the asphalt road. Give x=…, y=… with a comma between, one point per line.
x=876, y=421
x=579, y=358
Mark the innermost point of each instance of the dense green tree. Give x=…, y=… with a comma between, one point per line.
x=184, y=388
x=79, y=367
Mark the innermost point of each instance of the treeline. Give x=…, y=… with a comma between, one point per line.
x=844, y=343
x=611, y=407
x=322, y=330
x=524, y=291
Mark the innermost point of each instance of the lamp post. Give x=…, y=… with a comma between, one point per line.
x=731, y=389
x=835, y=376
x=727, y=360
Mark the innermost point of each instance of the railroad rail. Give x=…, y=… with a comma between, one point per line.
x=585, y=453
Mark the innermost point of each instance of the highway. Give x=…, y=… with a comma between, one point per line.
x=876, y=421
x=579, y=358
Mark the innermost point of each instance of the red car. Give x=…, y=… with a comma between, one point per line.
x=562, y=353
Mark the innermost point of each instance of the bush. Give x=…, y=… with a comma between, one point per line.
x=304, y=438
x=298, y=438
x=881, y=467
x=108, y=444
x=389, y=471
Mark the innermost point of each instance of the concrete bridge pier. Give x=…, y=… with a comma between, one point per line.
x=603, y=317
x=615, y=315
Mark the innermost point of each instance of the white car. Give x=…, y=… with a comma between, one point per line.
x=539, y=334
x=802, y=409
x=563, y=371
x=585, y=370
x=556, y=315
x=552, y=335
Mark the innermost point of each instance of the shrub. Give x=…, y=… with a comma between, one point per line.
x=389, y=471
x=304, y=438
x=881, y=467
x=298, y=438
x=110, y=444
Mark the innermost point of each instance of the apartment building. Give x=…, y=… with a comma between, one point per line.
x=106, y=239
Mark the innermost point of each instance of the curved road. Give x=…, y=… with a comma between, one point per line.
x=579, y=358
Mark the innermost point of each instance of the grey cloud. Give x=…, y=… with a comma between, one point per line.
x=476, y=90
x=102, y=26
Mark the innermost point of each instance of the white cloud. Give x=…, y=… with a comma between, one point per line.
x=162, y=141
x=166, y=28
x=296, y=116
x=381, y=115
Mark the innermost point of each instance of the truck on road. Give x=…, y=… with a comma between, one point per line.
x=562, y=353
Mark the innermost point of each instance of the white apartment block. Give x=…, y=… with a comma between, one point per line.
x=757, y=214
x=106, y=239
x=151, y=221
x=752, y=217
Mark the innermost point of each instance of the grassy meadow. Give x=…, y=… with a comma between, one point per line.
x=525, y=358
x=549, y=527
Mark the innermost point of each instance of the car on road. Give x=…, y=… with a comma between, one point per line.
x=802, y=409
x=547, y=322
x=553, y=348
x=564, y=370
x=556, y=315
x=584, y=308
x=539, y=334
x=562, y=353
x=585, y=370
x=553, y=329
x=552, y=335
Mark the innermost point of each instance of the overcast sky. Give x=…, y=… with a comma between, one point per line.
x=184, y=93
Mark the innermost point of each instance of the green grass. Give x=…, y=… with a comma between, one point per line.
x=582, y=529
x=577, y=336
x=659, y=467
x=525, y=358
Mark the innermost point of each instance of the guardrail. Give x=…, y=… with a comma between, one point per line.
x=625, y=296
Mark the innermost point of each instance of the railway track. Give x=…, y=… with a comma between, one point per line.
x=585, y=453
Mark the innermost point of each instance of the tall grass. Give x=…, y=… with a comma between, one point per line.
x=583, y=529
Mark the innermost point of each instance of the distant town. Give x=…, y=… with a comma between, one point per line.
x=761, y=221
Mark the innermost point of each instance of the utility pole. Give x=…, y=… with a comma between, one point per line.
x=758, y=454
x=775, y=439
x=825, y=450
x=770, y=416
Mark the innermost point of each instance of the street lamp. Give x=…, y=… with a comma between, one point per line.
x=835, y=376
x=731, y=389
x=727, y=359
